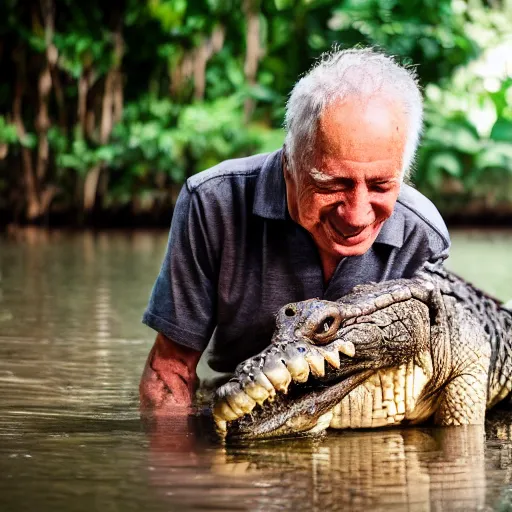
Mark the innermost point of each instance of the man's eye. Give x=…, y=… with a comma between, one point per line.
x=333, y=186
x=381, y=187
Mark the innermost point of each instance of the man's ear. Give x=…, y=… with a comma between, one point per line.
x=285, y=163
x=291, y=187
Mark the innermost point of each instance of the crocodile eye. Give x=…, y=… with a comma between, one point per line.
x=289, y=312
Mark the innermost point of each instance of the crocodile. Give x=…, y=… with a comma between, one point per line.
x=400, y=352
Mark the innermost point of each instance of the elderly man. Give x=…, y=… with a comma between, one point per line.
x=328, y=211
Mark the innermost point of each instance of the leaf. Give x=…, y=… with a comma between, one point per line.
x=235, y=74
x=261, y=93
x=502, y=130
x=8, y=134
x=68, y=161
x=106, y=153
x=495, y=156
x=463, y=137
x=283, y=4
x=29, y=140
x=445, y=161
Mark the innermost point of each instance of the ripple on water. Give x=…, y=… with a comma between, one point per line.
x=71, y=352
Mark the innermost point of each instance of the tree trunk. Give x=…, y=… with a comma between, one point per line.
x=33, y=204
x=193, y=64
x=253, y=50
x=111, y=112
x=200, y=60
x=90, y=188
x=52, y=56
x=83, y=89
x=42, y=124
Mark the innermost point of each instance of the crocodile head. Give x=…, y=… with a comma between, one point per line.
x=321, y=352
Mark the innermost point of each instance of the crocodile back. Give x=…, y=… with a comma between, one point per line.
x=496, y=320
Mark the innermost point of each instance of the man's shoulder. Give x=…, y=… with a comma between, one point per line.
x=419, y=209
x=240, y=169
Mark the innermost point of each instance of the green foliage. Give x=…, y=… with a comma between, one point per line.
x=8, y=133
x=433, y=35
x=169, y=126
x=76, y=154
x=466, y=154
x=158, y=138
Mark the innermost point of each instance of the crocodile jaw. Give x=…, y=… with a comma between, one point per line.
x=261, y=382
x=389, y=397
x=308, y=414
x=368, y=399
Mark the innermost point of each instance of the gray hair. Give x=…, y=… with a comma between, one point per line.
x=342, y=73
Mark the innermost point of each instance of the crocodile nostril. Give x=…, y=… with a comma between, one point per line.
x=289, y=312
x=325, y=325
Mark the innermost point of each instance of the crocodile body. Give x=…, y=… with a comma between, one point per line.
x=392, y=353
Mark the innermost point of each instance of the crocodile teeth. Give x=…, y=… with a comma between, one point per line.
x=261, y=379
x=225, y=392
x=331, y=356
x=257, y=392
x=278, y=375
x=223, y=412
x=316, y=363
x=241, y=402
x=346, y=347
x=298, y=368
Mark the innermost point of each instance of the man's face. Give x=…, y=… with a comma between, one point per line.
x=352, y=183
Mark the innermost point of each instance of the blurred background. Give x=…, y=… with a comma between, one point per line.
x=106, y=108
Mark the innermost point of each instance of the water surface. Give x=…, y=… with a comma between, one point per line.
x=71, y=351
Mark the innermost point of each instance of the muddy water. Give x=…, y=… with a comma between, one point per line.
x=71, y=351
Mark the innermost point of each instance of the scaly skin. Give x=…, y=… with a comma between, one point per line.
x=386, y=354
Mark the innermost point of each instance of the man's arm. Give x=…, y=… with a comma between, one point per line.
x=169, y=377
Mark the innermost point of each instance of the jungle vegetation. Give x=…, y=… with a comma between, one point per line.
x=107, y=107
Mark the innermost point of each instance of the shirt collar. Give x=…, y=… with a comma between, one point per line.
x=270, y=201
x=270, y=194
x=393, y=229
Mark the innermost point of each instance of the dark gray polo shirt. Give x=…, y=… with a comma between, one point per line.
x=235, y=257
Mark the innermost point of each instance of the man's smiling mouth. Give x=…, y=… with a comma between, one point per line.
x=352, y=235
x=348, y=236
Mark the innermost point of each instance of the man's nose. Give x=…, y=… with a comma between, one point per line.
x=356, y=210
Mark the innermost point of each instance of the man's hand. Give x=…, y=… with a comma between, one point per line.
x=168, y=380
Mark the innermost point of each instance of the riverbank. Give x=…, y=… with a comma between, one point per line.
x=161, y=219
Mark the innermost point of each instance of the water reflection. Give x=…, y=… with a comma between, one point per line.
x=71, y=351
x=440, y=469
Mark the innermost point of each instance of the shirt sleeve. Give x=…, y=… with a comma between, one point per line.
x=182, y=305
